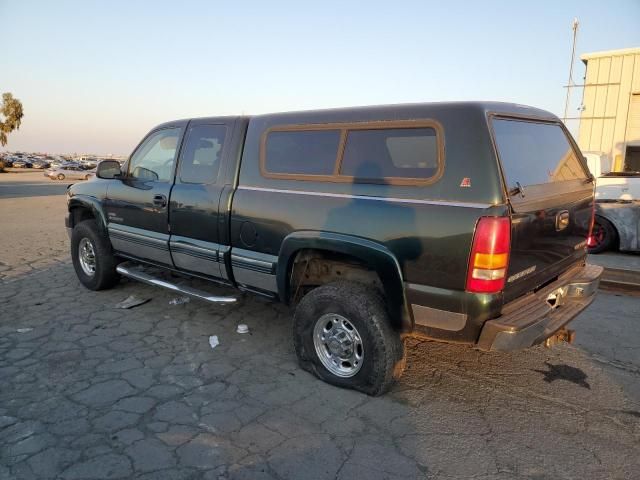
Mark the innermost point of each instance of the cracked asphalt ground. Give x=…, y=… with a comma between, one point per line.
x=89, y=391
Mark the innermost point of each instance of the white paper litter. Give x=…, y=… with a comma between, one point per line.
x=132, y=301
x=179, y=300
x=213, y=341
x=242, y=328
x=24, y=330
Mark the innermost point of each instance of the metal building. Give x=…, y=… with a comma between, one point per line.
x=610, y=118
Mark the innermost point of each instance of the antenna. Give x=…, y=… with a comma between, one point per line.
x=573, y=56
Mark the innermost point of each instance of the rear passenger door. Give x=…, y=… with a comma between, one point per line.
x=194, y=205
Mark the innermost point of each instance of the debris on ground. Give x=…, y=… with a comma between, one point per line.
x=24, y=330
x=242, y=328
x=179, y=300
x=213, y=341
x=132, y=301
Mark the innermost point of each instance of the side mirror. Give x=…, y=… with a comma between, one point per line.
x=108, y=169
x=144, y=174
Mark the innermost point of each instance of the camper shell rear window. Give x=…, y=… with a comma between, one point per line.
x=535, y=152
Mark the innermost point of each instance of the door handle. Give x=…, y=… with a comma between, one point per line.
x=160, y=200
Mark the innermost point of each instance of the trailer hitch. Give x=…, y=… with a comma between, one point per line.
x=563, y=335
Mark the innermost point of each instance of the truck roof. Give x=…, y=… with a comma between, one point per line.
x=405, y=110
x=385, y=112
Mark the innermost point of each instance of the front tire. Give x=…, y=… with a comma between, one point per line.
x=92, y=256
x=60, y=176
x=342, y=334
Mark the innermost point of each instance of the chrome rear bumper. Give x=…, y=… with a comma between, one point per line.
x=533, y=318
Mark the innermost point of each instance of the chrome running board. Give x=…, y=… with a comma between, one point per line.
x=126, y=271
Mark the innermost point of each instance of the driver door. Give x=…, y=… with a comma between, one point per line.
x=137, y=204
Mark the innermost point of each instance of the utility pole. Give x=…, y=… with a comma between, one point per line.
x=570, y=82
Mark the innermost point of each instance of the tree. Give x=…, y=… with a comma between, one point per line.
x=11, y=110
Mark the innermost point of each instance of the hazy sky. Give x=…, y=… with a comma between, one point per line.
x=96, y=76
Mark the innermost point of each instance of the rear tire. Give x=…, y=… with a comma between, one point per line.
x=60, y=176
x=366, y=327
x=86, y=236
x=603, y=237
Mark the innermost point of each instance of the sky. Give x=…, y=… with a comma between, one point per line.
x=94, y=77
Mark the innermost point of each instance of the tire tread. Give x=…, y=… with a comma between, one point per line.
x=106, y=275
x=386, y=369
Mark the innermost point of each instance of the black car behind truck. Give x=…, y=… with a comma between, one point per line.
x=460, y=222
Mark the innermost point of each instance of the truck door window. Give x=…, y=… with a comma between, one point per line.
x=154, y=159
x=200, y=160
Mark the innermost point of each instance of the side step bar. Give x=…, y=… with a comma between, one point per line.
x=126, y=271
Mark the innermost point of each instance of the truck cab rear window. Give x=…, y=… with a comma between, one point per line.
x=201, y=154
x=534, y=153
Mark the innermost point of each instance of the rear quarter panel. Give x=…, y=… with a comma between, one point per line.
x=429, y=228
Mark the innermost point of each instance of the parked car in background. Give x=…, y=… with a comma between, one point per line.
x=67, y=164
x=40, y=164
x=88, y=164
x=69, y=172
x=22, y=164
x=58, y=160
x=617, y=217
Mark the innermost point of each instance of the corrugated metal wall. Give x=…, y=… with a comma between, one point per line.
x=606, y=124
x=633, y=127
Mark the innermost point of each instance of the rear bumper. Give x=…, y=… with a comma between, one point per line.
x=535, y=317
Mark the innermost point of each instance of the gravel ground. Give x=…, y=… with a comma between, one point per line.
x=32, y=232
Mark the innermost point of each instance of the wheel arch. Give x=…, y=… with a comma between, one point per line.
x=375, y=256
x=84, y=208
x=625, y=220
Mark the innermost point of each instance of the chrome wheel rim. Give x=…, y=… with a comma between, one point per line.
x=87, y=257
x=338, y=345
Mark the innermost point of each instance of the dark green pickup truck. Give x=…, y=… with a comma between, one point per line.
x=460, y=222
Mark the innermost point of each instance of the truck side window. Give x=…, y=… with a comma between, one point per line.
x=306, y=152
x=200, y=160
x=154, y=160
x=388, y=153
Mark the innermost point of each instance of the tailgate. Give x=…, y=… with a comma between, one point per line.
x=551, y=195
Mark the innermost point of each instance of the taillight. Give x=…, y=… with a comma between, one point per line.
x=489, y=255
x=590, y=240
